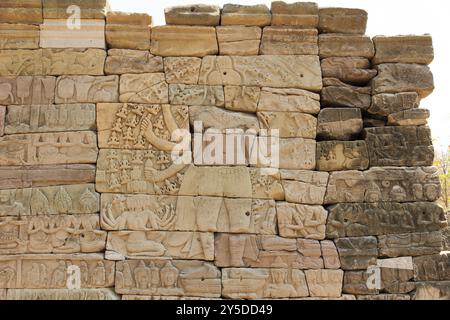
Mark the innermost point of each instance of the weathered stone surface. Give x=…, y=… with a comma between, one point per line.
x=184, y=41
x=357, y=253
x=355, y=282
x=2, y=120
x=278, y=282
x=184, y=70
x=289, y=124
x=48, y=148
x=49, y=118
x=27, y=90
x=352, y=70
x=432, y=291
x=307, y=187
x=345, y=96
x=246, y=15
x=384, y=218
x=200, y=95
x=385, y=297
x=299, y=14
x=122, y=61
x=345, y=45
x=411, y=117
x=196, y=14
x=342, y=20
x=168, y=278
x=53, y=234
x=158, y=298
x=297, y=154
x=325, y=283
x=342, y=155
x=221, y=120
x=399, y=146
x=270, y=71
x=371, y=121
x=301, y=221
x=61, y=294
x=339, y=124
x=155, y=125
x=243, y=99
x=403, y=49
x=289, y=41
x=52, y=62
x=90, y=9
x=204, y=214
x=410, y=244
x=56, y=33
x=23, y=11
x=87, y=89
x=45, y=271
x=402, y=77
x=384, y=184
x=264, y=251
x=238, y=40
x=385, y=104
x=144, y=88
x=141, y=245
x=70, y=199
x=289, y=100
x=43, y=176
x=330, y=255
x=432, y=268
x=18, y=36
x=128, y=30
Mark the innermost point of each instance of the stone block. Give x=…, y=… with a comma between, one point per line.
x=399, y=146
x=168, y=278
x=21, y=11
x=49, y=118
x=325, y=283
x=61, y=294
x=263, y=71
x=432, y=290
x=2, y=120
x=18, y=36
x=243, y=99
x=307, y=187
x=342, y=155
x=298, y=14
x=196, y=14
x=289, y=124
x=289, y=41
x=345, y=45
x=123, y=245
x=432, y=268
x=357, y=253
x=385, y=104
x=411, y=117
x=345, y=96
x=144, y=88
x=48, y=148
x=90, y=9
x=401, y=77
x=87, y=89
x=182, y=70
x=339, y=124
x=186, y=41
x=27, y=90
x=222, y=120
x=289, y=100
x=128, y=30
x=351, y=70
x=330, y=255
x=403, y=49
x=384, y=185
x=123, y=61
x=199, y=95
x=297, y=154
x=238, y=40
x=342, y=20
x=246, y=15
x=410, y=244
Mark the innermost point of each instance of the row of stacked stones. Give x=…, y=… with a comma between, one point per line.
x=93, y=206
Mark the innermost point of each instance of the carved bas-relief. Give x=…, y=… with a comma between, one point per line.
x=171, y=213
x=140, y=126
x=182, y=70
x=52, y=234
x=342, y=155
x=143, y=88
x=48, y=148
x=45, y=271
x=27, y=90
x=432, y=268
x=307, y=187
x=410, y=244
x=50, y=118
x=264, y=71
x=61, y=294
x=70, y=199
x=383, y=218
x=122, y=61
x=264, y=251
x=141, y=245
x=290, y=125
x=384, y=185
x=168, y=278
x=87, y=89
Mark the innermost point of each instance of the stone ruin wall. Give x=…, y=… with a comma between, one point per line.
x=88, y=186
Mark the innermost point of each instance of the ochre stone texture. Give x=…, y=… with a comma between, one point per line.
x=97, y=204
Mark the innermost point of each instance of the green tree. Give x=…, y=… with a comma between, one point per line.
x=442, y=162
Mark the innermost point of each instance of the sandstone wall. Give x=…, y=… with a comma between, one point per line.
x=93, y=205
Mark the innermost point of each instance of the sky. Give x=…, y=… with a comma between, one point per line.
x=386, y=17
